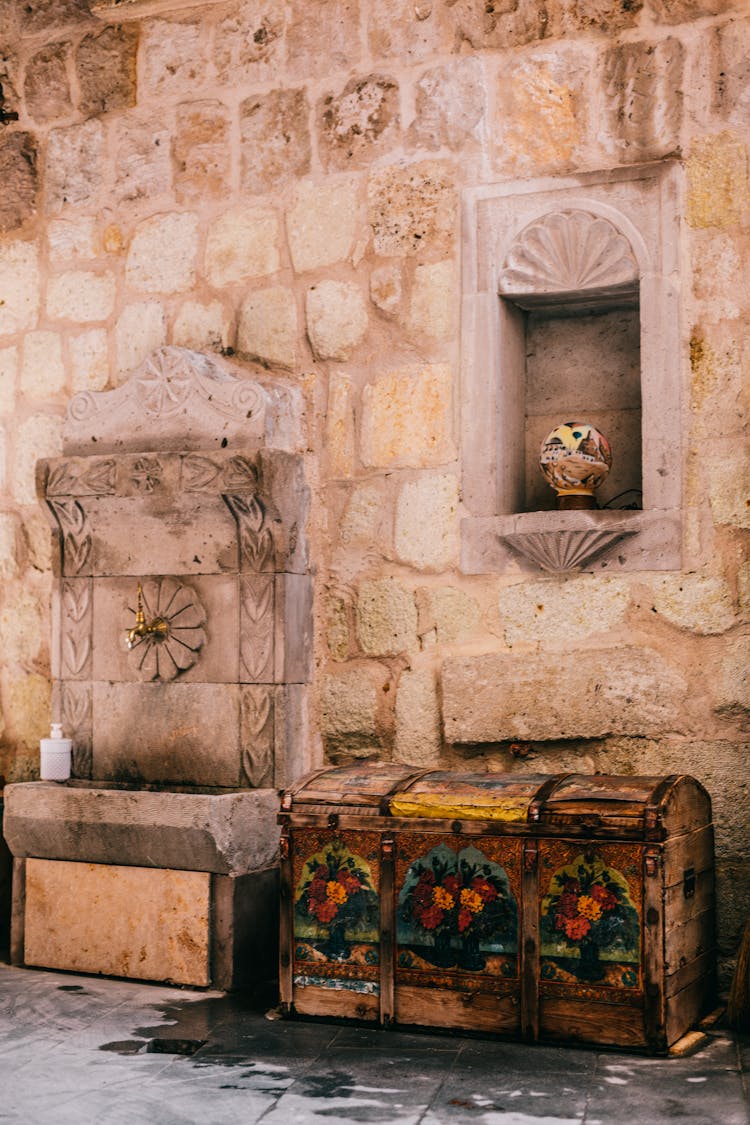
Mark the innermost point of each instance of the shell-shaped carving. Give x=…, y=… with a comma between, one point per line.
x=567, y=251
x=560, y=551
x=159, y=656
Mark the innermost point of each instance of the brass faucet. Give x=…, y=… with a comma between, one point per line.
x=158, y=628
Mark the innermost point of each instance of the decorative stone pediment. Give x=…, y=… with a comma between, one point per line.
x=181, y=399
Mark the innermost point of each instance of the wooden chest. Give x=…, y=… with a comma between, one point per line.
x=564, y=907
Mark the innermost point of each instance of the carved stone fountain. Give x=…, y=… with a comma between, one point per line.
x=182, y=640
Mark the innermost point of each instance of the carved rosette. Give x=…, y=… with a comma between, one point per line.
x=257, y=736
x=164, y=656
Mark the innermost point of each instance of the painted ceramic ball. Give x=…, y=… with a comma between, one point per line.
x=575, y=458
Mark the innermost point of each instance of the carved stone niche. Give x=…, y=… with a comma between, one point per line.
x=571, y=312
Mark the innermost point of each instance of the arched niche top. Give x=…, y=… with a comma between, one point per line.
x=568, y=252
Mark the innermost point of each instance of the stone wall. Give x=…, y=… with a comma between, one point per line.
x=282, y=182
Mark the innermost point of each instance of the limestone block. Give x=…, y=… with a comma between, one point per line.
x=339, y=444
x=23, y=629
x=106, y=70
x=201, y=150
x=19, y=287
x=401, y=29
x=679, y=11
x=74, y=166
x=733, y=694
x=558, y=614
x=82, y=917
x=358, y=124
x=323, y=38
x=494, y=697
x=18, y=174
x=434, y=304
x=275, y=140
x=500, y=25
x=718, y=276
x=322, y=223
x=386, y=618
x=81, y=295
x=363, y=516
x=242, y=243
x=337, y=613
x=143, y=167
x=731, y=70
x=89, y=360
x=172, y=57
x=37, y=436
x=450, y=106
x=42, y=367
x=644, y=84
x=10, y=545
x=46, y=88
x=717, y=181
x=426, y=527
x=349, y=707
x=72, y=239
x=407, y=418
x=336, y=318
x=43, y=15
x=202, y=327
x=139, y=330
x=27, y=699
x=729, y=484
x=267, y=329
x=162, y=254
x=570, y=16
x=8, y=373
x=743, y=589
x=37, y=540
x=413, y=209
x=386, y=287
x=249, y=43
x=699, y=603
x=447, y=612
x=418, y=738
x=539, y=98
x=3, y=457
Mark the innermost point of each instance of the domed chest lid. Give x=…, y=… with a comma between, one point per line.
x=361, y=785
x=446, y=795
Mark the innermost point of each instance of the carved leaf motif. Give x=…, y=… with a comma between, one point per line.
x=257, y=736
x=256, y=642
x=256, y=541
x=567, y=251
x=96, y=479
x=76, y=535
x=62, y=479
x=77, y=720
x=199, y=473
x=240, y=473
x=76, y=602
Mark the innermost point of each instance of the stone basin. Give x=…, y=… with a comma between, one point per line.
x=227, y=832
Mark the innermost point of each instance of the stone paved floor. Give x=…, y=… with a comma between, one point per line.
x=76, y=1050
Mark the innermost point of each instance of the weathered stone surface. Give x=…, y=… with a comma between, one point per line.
x=644, y=84
x=717, y=181
x=275, y=140
x=336, y=318
x=417, y=718
x=701, y=604
x=249, y=44
x=19, y=287
x=539, y=106
x=510, y=23
x=242, y=243
x=322, y=223
x=22, y=628
x=44, y=15
x=42, y=367
x=679, y=11
x=27, y=707
x=358, y=124
x=733, y=695
x=386, y=287
x=172, y=57
x=8, y=374
x=72, y=239
x=350, y=708
x=89, y=360
x=446, y=614
x=140, y=329
x=18, y=175
x=10, y=545
x=74, y=166
x=426, y=526
x=560, y=613
x=202, y=327
x=450, y=106
x=628, y=690
x=364, y=513
x=267, y=329
x=386, y=618
x=413, y=209
x=201, y=150
x=340, y=427
x=46, y=88
x=731, y=70
x=81, y=917
x=729, y=485
x=143, y=167
x=105, y=66
x=718, y=395
x=407, y=418
x=435, y=300
x=323, y=38
x=36, y=437
x=162, y=254
x=81, y=295
x=718, y=276
x=405, y=30
x=570, y=16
